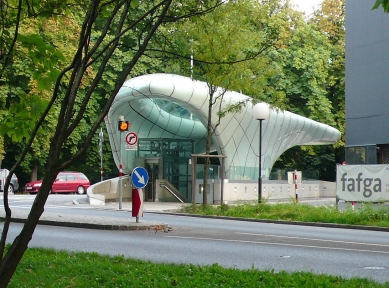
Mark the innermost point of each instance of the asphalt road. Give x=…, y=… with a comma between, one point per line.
x=230, y=243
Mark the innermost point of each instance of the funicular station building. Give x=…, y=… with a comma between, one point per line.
x=168, y=114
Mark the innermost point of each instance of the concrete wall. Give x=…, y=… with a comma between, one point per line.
x=234, y=191
x=108, y=191
x=246, y=191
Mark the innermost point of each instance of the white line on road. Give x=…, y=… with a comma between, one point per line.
x=313, y=239
x=52, y=207
x=277, y=244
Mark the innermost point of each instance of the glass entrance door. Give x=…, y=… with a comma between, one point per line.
x=150, y=189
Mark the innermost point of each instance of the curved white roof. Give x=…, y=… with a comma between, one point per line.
x=237, y=136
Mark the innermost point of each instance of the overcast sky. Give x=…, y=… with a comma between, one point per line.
x=306, y=5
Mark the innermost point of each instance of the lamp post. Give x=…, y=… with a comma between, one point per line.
x=261, y=112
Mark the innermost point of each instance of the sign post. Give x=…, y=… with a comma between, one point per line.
x=122, y=126
x=295, y=185
x=139, y=178
x=101, y=140
x=295, y=177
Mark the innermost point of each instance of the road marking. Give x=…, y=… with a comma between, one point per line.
x=52, y=206
x=277, y=244
x=313, y=239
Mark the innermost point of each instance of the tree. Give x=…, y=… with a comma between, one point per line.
x=311, y=76
x=25, y=93
x=224, y=61
x=118, y=19
x=331, y=20
x=23, y=68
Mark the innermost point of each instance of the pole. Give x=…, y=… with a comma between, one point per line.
x=295, y=186
x=120, y=173
x=193, y=160
x=260, y=163
x=101, y=137
x=121, y=129
x=222, y=184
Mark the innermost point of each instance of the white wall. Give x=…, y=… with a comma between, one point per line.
x=246, y=191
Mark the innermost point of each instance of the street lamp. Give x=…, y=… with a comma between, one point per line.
x=261, y=112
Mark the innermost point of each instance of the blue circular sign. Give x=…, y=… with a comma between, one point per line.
x=139, y=177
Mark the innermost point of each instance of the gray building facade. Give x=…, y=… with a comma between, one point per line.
x=367, y=83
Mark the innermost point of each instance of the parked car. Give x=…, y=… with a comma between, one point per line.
x=13, y=185
x=66, y=182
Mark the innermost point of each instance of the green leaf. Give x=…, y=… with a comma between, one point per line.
x=383, y=3
x=44, y=83
x=377, y=4
x=134, y=4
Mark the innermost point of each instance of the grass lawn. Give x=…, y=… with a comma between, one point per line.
x=49, y=268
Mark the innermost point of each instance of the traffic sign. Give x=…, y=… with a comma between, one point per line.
x=139, y=177
x=131, y=147
x=131, y=138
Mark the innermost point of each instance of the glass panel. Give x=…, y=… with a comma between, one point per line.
x=350, y=155
x=62, y=177
x=176, y=154
x=174, y=109
x=360, y=155
x=212, y=174
x=371, y=155
x=71, y=177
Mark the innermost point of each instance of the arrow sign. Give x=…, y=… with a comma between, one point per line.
x=139, y=177
x=131, y=138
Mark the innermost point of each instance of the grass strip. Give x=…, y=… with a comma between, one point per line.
x=50, y=268
x=367, y=215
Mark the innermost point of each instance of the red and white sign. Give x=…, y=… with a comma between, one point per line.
x=131, y=138
x=137, y=203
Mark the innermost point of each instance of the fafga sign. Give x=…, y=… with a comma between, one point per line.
x=365, y=183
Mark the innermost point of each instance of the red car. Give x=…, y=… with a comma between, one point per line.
x=67, y=181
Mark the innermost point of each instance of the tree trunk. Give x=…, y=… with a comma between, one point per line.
x=20, y=244
x=205, y=182
x=34, y=173
x=208, y=145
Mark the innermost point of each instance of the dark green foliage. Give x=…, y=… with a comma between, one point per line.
x=316, y=158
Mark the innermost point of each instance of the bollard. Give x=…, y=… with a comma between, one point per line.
x=137, y=203
x=295, y=186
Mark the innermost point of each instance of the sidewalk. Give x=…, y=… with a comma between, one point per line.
x=112, y=223
x=127, y=206
x=97, y=222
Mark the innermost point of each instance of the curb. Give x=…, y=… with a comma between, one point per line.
x=117, y=227
x=105, y=223
x=314, y=224
x=83, y=221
